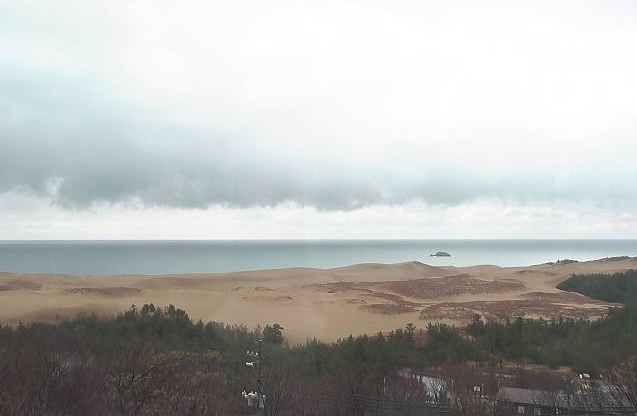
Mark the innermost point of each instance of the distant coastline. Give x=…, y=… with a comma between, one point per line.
x=105, y=258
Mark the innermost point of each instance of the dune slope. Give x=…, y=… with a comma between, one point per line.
x=322, y=303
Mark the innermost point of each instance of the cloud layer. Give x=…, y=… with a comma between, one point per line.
x=338, y=107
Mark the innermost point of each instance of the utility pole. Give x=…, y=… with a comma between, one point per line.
x=257, y=398
x=260, y=385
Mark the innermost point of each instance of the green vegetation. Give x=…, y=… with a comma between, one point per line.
x=584, y=345
x=618, y=287
x=273, y=334
x=579, y=343
x=166, y=329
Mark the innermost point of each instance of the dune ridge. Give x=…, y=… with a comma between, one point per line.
x=321, y=303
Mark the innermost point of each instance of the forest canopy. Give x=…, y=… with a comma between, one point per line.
x=618, y=287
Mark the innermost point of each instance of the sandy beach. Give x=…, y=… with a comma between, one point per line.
x=322, y=303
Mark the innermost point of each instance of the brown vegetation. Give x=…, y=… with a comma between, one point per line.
x=537, y=305
x=105, y=291
x=18, y=284
x=388, y=308
x=431, y=287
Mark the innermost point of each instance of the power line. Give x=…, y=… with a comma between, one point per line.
x=257, y=398
x=382, y=405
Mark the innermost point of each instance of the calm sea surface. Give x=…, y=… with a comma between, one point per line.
x=160, y=257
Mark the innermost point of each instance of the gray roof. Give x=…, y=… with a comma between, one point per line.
x=533, y=397
x=601, y=396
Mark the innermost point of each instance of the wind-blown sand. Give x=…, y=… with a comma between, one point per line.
x=326, y=304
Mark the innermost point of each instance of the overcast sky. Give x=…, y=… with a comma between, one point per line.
x=330, y=119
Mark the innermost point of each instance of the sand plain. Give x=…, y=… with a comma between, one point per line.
x=322, y=303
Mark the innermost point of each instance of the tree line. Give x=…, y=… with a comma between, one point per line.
x=617, y=287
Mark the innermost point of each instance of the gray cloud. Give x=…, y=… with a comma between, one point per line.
x=83, y=155
x=84, y=134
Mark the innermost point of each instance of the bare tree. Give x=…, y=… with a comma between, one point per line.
x=136, y=377
x=621, y=382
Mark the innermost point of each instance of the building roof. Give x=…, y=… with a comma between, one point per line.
x=430, y=383
x=533, y=397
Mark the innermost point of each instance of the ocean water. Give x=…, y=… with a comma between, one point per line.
x=99, y=258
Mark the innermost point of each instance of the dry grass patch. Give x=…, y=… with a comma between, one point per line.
x=105, y=291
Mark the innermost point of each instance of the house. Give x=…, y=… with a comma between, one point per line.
x=435, y=388
x=514, y=400
x=596, y=401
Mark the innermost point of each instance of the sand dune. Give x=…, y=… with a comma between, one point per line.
x=322, y=303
